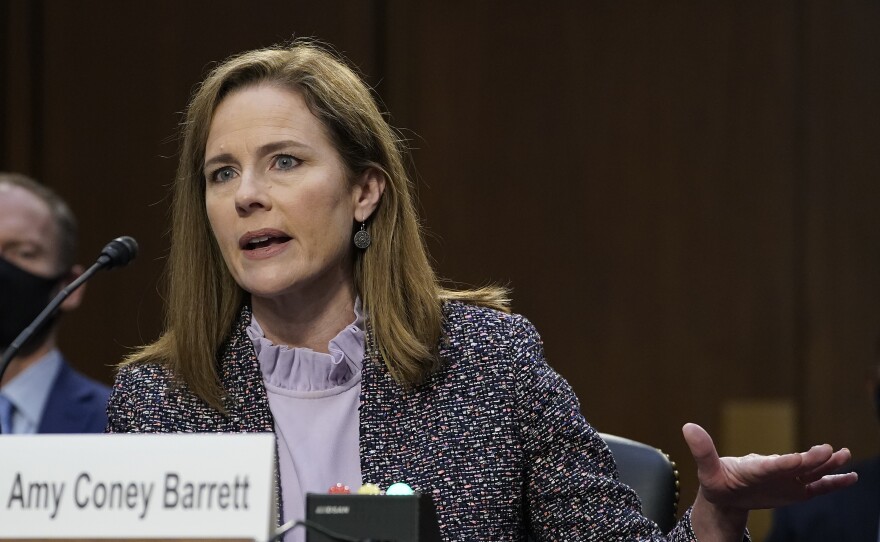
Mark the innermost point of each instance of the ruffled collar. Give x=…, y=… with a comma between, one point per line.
x=303, y=369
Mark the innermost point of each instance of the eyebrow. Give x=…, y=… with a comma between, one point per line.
x=263, y=150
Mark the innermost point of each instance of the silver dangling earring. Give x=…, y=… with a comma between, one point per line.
x=362, y=237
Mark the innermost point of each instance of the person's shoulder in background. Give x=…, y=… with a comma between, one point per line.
x=851, y=514
x=76, y=404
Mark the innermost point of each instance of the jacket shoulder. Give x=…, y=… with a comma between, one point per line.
x=143, y=377
x=147, y=398
x=461, y=317
x=76, y=404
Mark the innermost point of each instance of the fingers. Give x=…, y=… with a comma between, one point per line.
x=798, y=463
x=831, y=482
x=808, y=466
x=836, y=461
x=817, y=456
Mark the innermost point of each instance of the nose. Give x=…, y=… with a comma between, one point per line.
x=252, y=194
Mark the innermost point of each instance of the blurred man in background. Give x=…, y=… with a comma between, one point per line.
x=40, y=392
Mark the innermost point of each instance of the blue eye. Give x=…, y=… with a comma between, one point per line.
x=285, y=161
x=222, y=174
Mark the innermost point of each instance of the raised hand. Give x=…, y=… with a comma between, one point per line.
x=765, y=481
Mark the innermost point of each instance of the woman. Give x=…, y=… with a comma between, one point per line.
x=302, y=302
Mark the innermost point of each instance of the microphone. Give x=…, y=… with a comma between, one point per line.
x=116, y=253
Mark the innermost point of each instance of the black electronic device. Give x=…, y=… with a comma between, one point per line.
x=387, y=518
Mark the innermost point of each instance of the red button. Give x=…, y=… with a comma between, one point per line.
x=339, y=489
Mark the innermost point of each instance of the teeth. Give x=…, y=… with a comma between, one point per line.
x=256, y=240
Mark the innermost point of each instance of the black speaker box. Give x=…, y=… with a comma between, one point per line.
x=385, y=518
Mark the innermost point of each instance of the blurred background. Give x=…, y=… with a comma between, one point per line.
x=683, y=195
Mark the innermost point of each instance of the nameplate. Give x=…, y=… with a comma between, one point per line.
x=194, y=485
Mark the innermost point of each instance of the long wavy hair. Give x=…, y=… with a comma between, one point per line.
x=398, y=288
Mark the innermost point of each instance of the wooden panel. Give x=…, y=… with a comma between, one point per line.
x=19, y=45
x=841, y=200
x=116, y=76
x=627, y=167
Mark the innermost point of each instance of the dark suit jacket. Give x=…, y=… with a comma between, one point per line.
x=76, y=404
x=848, y=515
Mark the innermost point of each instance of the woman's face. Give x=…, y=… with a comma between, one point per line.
x=278, y=196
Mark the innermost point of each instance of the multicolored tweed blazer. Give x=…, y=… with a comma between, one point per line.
x=495, y=436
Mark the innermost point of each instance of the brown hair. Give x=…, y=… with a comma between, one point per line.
x=61, y=213
x=398, y=288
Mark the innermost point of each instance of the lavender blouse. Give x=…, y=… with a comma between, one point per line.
x=314, y=399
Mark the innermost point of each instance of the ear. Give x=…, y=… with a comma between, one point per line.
x=367, y=193
x=75, y=298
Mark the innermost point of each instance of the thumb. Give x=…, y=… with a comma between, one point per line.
x=703, y=449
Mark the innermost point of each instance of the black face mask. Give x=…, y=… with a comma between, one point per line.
x=23, y=296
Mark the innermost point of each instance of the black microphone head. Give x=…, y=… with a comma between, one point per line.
x=119, y=252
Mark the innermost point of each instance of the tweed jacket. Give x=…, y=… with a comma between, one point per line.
x=495, y=435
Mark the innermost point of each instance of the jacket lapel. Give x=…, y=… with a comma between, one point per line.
x=246, y=401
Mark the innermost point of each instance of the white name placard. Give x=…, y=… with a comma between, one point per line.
x=137, y=486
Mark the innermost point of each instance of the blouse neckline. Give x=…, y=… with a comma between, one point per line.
x=302, y=371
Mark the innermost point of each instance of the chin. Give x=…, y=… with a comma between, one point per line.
x=267, y=282
x=266, y=291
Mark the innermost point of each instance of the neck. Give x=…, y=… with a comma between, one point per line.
x=23, y=361
x=305, y=321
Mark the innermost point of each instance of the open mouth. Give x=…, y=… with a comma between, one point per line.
x=264, y=241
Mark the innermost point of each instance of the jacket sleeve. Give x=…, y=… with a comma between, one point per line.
x=572, y=488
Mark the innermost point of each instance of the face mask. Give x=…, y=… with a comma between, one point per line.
x=23, y=296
